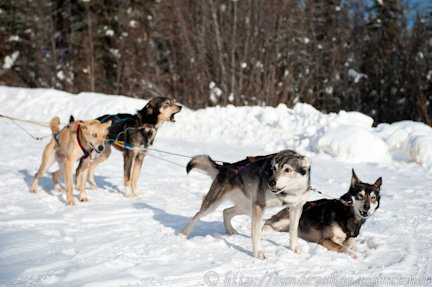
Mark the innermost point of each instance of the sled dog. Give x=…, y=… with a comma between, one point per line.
x=138, y=130
x=252, y=185
x=79, y=139
x=333, y=223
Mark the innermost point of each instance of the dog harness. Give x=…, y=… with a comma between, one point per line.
x=115, y=117
x=86, y=152
x=124, y=145
x=55, y=135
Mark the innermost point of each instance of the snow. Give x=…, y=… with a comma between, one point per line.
x=133, y=24
x=60, y=75
x=215, y=93
x=356, y=76
x=109, y=33
x=9, y=60
x=117, y=241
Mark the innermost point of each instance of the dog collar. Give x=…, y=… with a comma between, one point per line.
x=148, y=126
x=86, y=152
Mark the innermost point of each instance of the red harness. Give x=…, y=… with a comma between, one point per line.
x=86, y=152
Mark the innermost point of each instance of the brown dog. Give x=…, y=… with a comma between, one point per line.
x=75, y=141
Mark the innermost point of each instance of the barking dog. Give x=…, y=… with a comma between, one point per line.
x=138, y=130
x=252, y=185
x=76, y=140
x=334, y=224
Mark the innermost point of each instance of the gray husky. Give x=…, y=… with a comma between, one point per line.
x=333, y=223
x=252, y=185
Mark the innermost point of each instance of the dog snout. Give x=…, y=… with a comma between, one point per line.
x=101, y=148
x=366, y=206
x=272, y=183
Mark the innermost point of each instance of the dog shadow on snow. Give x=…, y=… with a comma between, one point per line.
x=45, y=184
x=202, y=228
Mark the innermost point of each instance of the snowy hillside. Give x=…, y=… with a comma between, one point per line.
x=116, y=241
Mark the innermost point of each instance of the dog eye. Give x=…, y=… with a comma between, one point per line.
x=288, y=170
x=95, y=135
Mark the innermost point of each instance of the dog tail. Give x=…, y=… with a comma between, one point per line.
x=55, y=125
x=204, y=163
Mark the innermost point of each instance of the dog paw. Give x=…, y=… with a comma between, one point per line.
x=70, y=202
x=231, y=231
x=182, y=235
x=93, y=186
x=57, y=188
x=33, y=190
x=352, y=254
x=268, y=228
x=260, y=255
x=296, y=249
x=353, y=249
x=83, y=198
x=129, y=194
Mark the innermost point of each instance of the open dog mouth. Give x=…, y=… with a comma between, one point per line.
x=363, y=213
x=276, y=190
x=172, y=119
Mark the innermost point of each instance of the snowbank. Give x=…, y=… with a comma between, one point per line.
x=345, y=135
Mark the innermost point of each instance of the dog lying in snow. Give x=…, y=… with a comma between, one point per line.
x=333, y=223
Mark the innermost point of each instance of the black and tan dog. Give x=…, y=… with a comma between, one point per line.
x=333, y=223
x=138, y=130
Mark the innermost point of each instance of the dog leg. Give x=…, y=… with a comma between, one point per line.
x=136, y=171
x=295, y=213
x=333, y=246
x=207, y=207
x=351, y=244
x=228, y=215
x=128, y=157
x=93, y=164
x=82, y=178
x=79, y=171
x=55, y=177
x=257, y=225
x=47, y=161
x=69, y=181
x=279, y=222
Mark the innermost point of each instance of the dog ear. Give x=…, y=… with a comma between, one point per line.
x=354, y=179
x=378, y=183
x=83, y=126
x=148, y=110
x=306, y=162
x=346, y=199
x=107, y=124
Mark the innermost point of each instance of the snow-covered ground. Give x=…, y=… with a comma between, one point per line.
x=117, y=241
